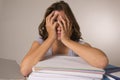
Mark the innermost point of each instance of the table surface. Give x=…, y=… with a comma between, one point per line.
x=10, y=70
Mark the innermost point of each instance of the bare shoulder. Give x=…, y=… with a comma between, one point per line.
x=35, y=44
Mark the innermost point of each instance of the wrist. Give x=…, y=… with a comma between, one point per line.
x=51, y=37
x=66, y=40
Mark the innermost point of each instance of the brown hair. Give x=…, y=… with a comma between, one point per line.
x=61, y=5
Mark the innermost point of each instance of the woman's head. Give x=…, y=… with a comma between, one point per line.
x=63, y=8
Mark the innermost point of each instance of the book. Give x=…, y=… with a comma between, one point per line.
x=49, y=76
x=111, y=69
x=67, y=66
x=117, y=74
x=113, y=72
x=109, y=78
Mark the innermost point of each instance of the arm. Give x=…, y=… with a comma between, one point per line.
x=92, y=55
x=35, y=54
x=37, y=51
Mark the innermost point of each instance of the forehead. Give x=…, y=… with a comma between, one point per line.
x=61, y=13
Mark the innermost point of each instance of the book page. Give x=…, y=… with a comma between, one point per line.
x=66, y=63
x=45, y=76
x=117, y=74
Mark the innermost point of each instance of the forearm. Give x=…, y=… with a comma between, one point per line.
x=92, y=55
x=42, y=50
x=35, y=56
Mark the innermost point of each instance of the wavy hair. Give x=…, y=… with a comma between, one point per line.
x=61, y=5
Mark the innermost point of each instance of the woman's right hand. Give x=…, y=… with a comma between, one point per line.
x=51, y=25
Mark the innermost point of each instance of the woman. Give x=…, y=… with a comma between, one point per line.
x=60, y=35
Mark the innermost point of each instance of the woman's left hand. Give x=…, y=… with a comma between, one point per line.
x=66, y=28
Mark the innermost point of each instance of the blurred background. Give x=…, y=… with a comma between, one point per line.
x=99, y=22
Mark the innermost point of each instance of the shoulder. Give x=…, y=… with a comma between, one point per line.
x=39, y=40
x=35, y=44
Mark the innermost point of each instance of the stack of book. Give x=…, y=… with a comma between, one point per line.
x=112, y=72
x=65, y=68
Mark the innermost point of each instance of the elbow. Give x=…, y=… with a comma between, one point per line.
x=25, y=70
x=102, y=63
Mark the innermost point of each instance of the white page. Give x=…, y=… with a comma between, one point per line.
x=46, y=78
x=72, y=73
x=116, y=74
x=110, y=78
x=43, y=76
x=66, y=62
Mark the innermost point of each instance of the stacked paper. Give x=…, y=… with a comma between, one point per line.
x=65, y=68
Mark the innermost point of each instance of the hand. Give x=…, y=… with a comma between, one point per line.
x=66, y=28
x=51, y=25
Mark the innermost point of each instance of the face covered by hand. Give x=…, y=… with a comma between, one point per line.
x=63, y=29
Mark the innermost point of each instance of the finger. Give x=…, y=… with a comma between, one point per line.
x=61, y=25
x=69, y=24
x=54, y=18
x=55, y=24
x=67, y=18
x=50, y=15
x=68, y=21
x=63, y=22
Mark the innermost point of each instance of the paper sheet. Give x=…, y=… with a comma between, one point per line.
x=44, y=76
x=116, y=74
